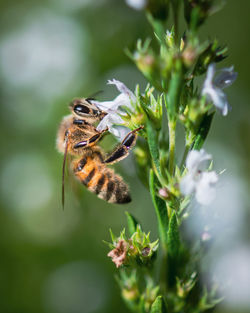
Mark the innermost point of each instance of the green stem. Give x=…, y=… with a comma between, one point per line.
x=172, y=130
x=163, y=273
x=169, y=210
x=175, y=7
x=176, y=27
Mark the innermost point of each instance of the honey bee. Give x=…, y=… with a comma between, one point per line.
x=78, y=137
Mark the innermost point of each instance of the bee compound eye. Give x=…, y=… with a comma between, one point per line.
x=80, y=108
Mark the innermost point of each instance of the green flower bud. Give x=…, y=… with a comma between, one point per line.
x=170, y=38
x=130, y=294
x=145, y=63
x=189, y=56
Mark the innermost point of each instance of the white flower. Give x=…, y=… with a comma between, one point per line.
x=137, y=4
x=197, y=179
x=114, y=110
x=213, y=86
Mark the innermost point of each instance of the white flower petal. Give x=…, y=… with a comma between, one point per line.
x=205, y=189
x=209, y=78
x=122, y=100
x=137, y=4
x=212, y=87
x=123, y=89
x=198, y=181
x=226, y=77
x=197, y=160
x=103, y=124
x=219, y=99
x=187, y=184
x=108, y=121
x=112, y=121
x=106, y=106
x=119, y=131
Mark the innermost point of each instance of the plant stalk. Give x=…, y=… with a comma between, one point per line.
x=172, y=130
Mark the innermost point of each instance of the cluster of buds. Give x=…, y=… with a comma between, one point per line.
x=136, y=250
x=155, y=66
x=138, y=297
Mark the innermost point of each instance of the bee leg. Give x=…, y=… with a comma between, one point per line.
x=79, y=122
x=122, y=151
x=92, y=140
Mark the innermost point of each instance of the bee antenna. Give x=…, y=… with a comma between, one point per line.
x=63, y=168
x=93, y=95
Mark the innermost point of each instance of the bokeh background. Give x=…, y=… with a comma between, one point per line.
x=54, y=261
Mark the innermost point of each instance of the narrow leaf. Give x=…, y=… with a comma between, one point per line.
x=132, y=223
x=158, y=306
x=203, y=131
x=112, y=235
x=160, y=209
x=173, y=240
x=153, y=144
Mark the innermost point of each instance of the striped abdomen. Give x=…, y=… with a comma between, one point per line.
x=101, y=180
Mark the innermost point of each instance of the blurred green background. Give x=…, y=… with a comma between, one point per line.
x=54, y=261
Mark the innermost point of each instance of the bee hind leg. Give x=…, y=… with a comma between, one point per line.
x=122, y=151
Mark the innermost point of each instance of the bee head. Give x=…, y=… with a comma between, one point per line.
x=83, y=108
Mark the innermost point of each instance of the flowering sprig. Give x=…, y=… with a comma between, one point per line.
x=173, y=96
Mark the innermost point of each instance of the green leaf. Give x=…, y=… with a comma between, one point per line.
x=160, y=209
x=203, y=131
x=132, y=223
x=158, y=306
x=110, y=245
x=173, y=240
x=153, y=144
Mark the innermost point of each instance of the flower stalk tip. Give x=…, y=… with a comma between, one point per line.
x=172, y=97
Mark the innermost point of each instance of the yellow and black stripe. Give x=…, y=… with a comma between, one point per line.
x=101, y=180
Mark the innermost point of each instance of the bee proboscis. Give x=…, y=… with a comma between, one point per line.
x=78, y=137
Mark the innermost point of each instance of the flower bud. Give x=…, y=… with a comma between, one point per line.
x=131, y=294
x=170, y=38
x=164, y=193
x=189, y=56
